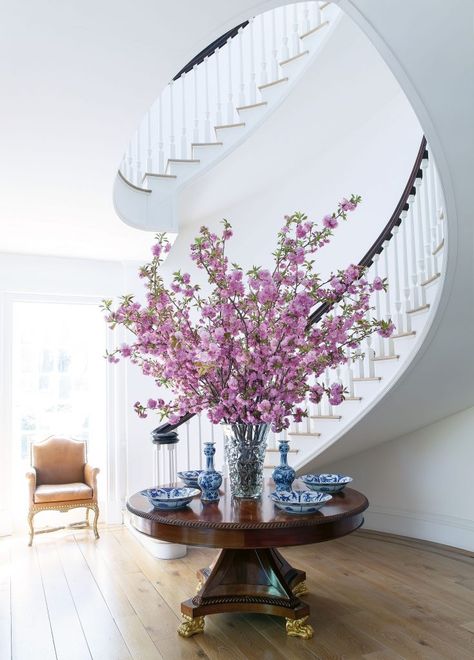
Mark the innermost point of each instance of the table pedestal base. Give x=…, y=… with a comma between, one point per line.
x=249, y=581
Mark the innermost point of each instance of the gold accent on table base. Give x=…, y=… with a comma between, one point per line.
x=36, y=508
x=191, y=626
x=199, y=586
x=300, y=589
x=298, y=628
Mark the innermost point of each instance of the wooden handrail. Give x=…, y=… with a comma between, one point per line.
x=366, y=261
x=211, y=49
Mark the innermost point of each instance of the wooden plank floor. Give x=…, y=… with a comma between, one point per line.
x=371, y=597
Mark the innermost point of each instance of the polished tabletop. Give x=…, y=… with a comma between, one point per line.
x=234, y=523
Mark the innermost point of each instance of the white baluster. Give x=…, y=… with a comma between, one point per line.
x=306, y=26
x=406, y=278
x=285, y=53
x=172, y=143
x=188, y=453
x=381, y=351
x=196, y=107
x=426, y=218
x=131, y=171
x=184, y=138
x=252, y=83
x=388, y=307
x=218, y=90
x=421, y=243
x=240, y=37
x=316, y=14
x=414, y=270
x=138, y=160
x=295, y=38
x=396, y=282
x=207, y=121
x=123, y=166
x=369, y=353
x=327, y=383
x=349, y=373
x=435, y=239
x=230, y=104
x=161, y=153
x=274, y=60
x=149, y=158
x=263, y=72
x=200, y=440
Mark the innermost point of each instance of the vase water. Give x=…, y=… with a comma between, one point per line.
x=245, y=446
x=209, y=480
x=283, y=475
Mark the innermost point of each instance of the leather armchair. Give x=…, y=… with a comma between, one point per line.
x=60, y=479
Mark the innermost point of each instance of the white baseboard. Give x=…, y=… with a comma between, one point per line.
x=447, y=530
x=158, y=549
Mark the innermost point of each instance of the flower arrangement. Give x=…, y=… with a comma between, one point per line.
x=245, y=351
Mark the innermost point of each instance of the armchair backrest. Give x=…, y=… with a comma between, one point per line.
x=58, y=460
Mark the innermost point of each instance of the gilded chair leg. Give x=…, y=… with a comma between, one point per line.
x=87, y=517
x=94, y=523
x=32, y=529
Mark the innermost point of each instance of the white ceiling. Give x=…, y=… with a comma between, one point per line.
x=75, y=78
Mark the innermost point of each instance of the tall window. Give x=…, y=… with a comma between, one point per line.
x=58, y=378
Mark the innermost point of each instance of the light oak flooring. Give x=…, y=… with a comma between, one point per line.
x=371, y=597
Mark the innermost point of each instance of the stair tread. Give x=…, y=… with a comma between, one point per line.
x=132, y=185
x=238, y=125
x=275, y=450
x=206, y=144
x=412, y=333
x=325, y=417
x=431, y=279
x=421, y=308
x=316, y=435
x=275, y=82
x=360, y=379
x=183, y=160
x=439, y=247
x=315, y=29
x=353, y=398
x=159, y=176
x=252, y=105
x=381, y=358
x=295, y=57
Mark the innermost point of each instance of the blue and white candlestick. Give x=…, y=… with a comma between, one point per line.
x=209, y=480
x=283, y=475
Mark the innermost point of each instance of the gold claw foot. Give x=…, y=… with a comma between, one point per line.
x=300, y=589
x=191, y=626
x=298, y=628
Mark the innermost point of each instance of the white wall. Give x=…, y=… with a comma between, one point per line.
x=420, y=484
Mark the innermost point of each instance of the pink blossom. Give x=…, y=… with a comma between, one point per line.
x=330, y=222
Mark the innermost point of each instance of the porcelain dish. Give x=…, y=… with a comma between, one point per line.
x=170, y=498
x=299, y=501
x=326, y=483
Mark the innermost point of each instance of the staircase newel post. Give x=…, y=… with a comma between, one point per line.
x=252, y=83
x=172, y=142
x=381, y=351
x=230, y=104
x=263, y=74
x=406, y=278
x=396, y=279
x=240, y=37
x=274, y=61
x=285, y=53
x=426, y=217
x=414, y=273
x=196, y=115
x=184, y=140
x=421, y=243
x=207, y=120
x=295, y=45
x=388, y=305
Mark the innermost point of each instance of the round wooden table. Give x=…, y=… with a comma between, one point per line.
x=249, y=574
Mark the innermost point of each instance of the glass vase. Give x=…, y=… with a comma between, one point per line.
x=245, y=446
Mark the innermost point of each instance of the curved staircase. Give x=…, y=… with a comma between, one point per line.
x=203, y=115
x=409, y=250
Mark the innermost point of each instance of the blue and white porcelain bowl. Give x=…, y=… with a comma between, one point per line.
x=170, y=498
x=299, y=501
x=326, y=483
x=190, y=477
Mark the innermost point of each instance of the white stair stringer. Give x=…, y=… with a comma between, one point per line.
x=311, y=448
x=151, y=204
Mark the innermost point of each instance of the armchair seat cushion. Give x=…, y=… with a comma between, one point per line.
x=62, y=493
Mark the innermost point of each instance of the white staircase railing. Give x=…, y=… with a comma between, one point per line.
x=204, y=103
